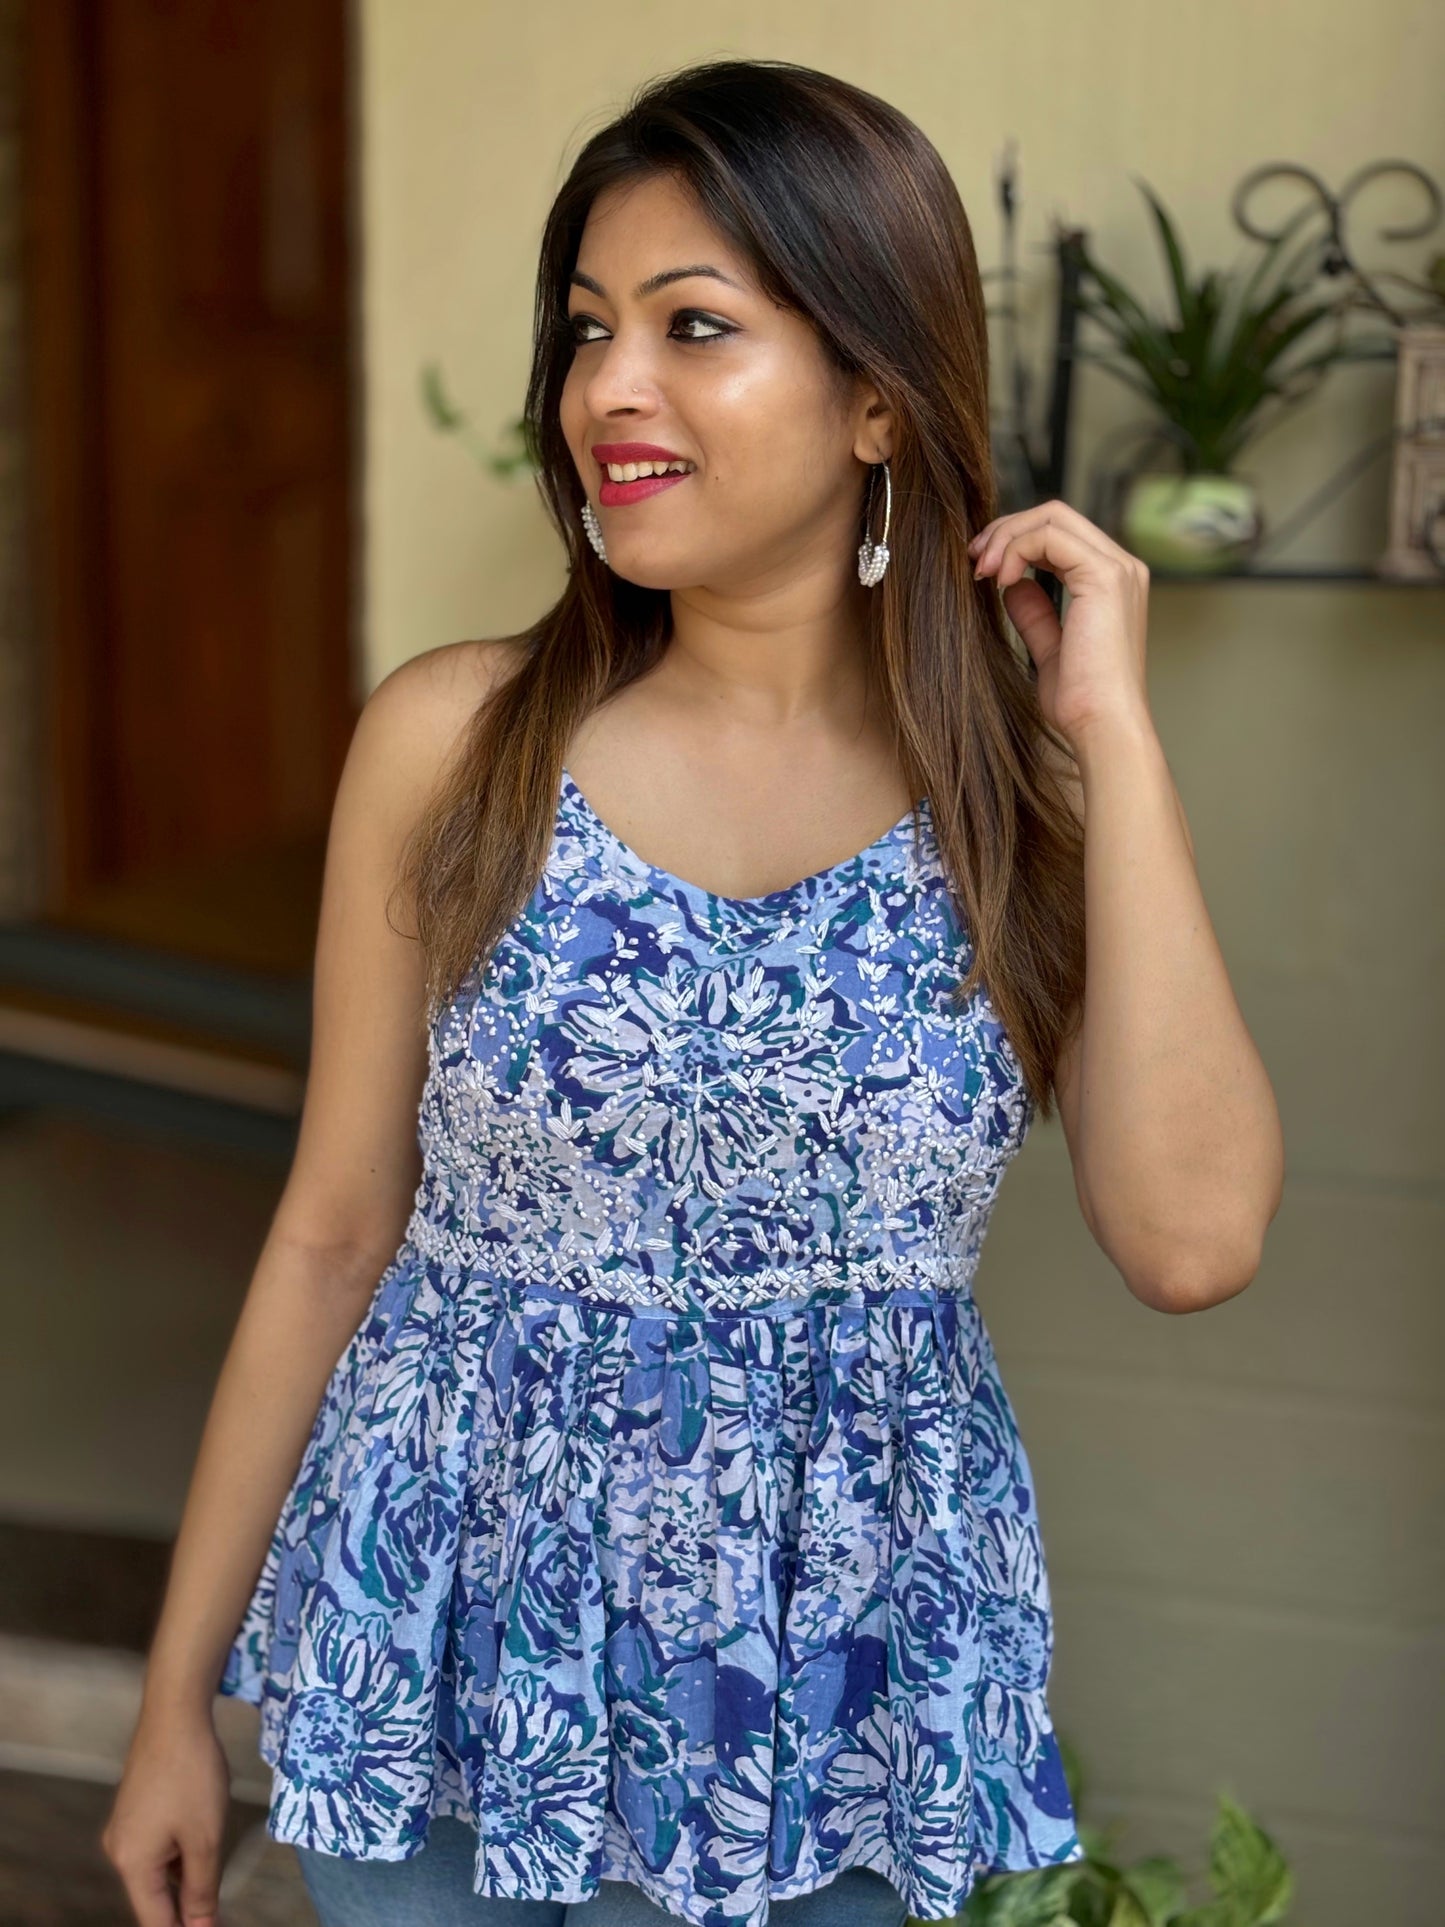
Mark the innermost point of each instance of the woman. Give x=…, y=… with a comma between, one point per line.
x=649, y=1532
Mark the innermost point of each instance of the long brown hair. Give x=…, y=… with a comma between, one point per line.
x=848, y=215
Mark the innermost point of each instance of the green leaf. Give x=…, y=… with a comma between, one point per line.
x=1214, y=1913
x=1133, y=322
x=434, y=399
x=1094, y=1895
x=1034, y=1896
x=1246, y=1869
x=1239, y=304
x=1183, y=293
x=1127, y=1912
x=978, y=1909
x=988, y=1896
x=1158, y=1886
x=1126, y=371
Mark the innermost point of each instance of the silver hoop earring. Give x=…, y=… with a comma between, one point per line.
x=594, y=532
x=873, y=556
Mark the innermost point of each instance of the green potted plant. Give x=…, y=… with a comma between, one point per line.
x=1250, y=1883
x=1217, y=375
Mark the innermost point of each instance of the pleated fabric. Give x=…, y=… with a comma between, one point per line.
x=708, y=1562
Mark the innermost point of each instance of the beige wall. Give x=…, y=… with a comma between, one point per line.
x=1243, y=1509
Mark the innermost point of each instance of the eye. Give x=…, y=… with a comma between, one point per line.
x=720, y=328
x=682, y=315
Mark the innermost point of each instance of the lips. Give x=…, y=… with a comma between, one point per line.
x=636, y=452
x=616, y=495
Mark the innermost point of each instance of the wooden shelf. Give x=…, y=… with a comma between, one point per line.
x=1296, y=575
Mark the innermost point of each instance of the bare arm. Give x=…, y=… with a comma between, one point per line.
x=1168, y=1111
x=338, y=1224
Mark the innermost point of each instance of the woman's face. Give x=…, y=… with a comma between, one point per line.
x=714, y=372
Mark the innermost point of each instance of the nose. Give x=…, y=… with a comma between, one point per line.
x=620, y=378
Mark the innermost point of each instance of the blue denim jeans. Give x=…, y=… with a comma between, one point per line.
x=434, y=1889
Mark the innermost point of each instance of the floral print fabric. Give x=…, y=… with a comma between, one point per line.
x=665, y=1517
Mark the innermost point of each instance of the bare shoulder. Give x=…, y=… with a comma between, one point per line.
x=432, y=696
x=417, y=714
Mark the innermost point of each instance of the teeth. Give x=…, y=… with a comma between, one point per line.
x=634, y=471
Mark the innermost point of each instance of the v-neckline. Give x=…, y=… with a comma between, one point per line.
x=788, y=890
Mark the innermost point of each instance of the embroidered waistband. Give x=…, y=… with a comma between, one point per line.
x=523, y=1264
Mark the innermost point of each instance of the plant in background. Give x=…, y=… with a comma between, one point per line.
x=1229, y=364
x=516, y=457
x=1211, y=372
x=1250, y=1883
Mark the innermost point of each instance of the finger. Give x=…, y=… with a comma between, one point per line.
x=1001, y=531
x=1031, y=523
x=1046, y=540
x=988, y=528
x=1031, y=611
x=200, y=1883
x=148, y=1889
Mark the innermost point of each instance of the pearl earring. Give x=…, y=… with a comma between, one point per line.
x=594, y=532
x=873, y=556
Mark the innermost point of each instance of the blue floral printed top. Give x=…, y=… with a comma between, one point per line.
x=665, y=1517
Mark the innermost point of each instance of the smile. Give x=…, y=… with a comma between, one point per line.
x=616, y=495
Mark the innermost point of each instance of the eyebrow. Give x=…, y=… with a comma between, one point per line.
x=656, y=281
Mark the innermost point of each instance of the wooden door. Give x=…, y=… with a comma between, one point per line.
x=189, y=279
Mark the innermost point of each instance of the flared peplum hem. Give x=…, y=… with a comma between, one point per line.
x=717, y=1602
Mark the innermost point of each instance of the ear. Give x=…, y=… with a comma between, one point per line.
x=873, y=440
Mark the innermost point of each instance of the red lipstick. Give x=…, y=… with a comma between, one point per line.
x=636, y=452
x=618, y=494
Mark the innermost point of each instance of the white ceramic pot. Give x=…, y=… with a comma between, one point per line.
x=1194, y=524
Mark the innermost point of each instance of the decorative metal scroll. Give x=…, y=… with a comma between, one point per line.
x=1336, y=256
